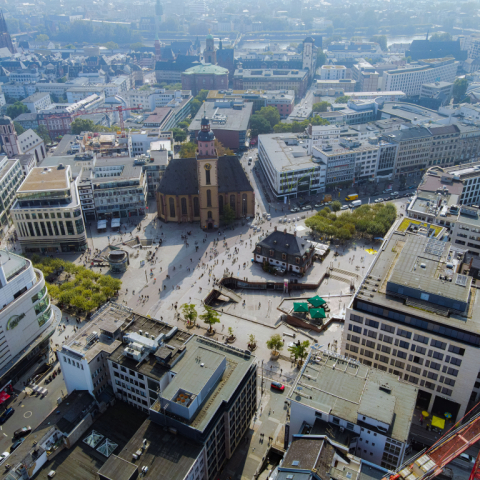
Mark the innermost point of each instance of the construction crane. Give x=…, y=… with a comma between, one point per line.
x=430, y=463
x=119, y=109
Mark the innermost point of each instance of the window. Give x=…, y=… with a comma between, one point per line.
x=355, y=328
x=209, y=198
x=232, y=202
x=335, y=421
x=196, y=207
x=421, y=339
x=403, y=344
x=457, y=350
x=207, y=177
x=404, y=333
x=438, y=344
x=372, y=323
x=172, y=206
x=356, y=318
x=209, y=214
x=387, y=328
x=220, y=204
x=244, y=204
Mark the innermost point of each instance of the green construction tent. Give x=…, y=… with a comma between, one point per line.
x=316, y=301
x=317, y=313
x=300, y=307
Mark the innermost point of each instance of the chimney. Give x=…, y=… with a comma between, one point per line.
x=275, y=228
x=470, y=265
x=285, y=231
x=294, y=233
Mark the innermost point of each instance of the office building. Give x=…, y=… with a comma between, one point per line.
x=47, y=213
x=10, y=179
x=466, y=229
x=288, y=167
x=149, y=99
x=229, y=120
x=364, y=408
x=410, y=113
x=204, y=77
x=26, y=311
x=414, y=316
x=333, y=72
x=410, y=80
x=366, y=77
x=438, y=90
x=264, y=79
x=38, y=101
x=198, y=388
x=445, y=142
x=347, y=85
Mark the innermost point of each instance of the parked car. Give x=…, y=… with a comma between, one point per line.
x=278, y=386
x=3, y=457
x=466, y=458
x=379, y=200
x=344, y=207
x=294, y=209
x=319, y=205
x=16, y=444
x=22, y=432
x=306, y=207
x=6, y=415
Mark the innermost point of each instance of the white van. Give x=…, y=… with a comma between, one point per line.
x=388, y=190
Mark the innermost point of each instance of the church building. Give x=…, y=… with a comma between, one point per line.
x=198, y=189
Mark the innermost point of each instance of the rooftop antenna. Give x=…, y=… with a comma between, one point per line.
x=428, y=31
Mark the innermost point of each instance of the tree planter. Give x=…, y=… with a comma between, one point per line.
x=210, y=333
x=190, y=325
x=231, y=339
x=252, y=347
x=275, y=355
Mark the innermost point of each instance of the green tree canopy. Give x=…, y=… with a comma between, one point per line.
x=459, y=89
x=441, y=37
x=179, y=135
x=381, y=40
x=321, y=58
x=210, y=317
x=270, y=114
x=228, y=216
x=42, y=38
x=13, y=111
x=189, y=312
x=259, y=125
x=320, y=107
x=18, y=128
x=336, y=206
x=275, y=343
x=342, y=99
x=299, y=351
x=80, y=125
x=42, y=132
x=111, y=45
x=188, y=150
x=137, y=46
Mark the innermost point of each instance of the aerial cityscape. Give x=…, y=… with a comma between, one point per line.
x=239, y=241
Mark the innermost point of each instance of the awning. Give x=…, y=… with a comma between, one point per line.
x=317, y=313
x=101, y=224
x=316, y=301
x=300, y=307
x=4, y=396
x=115, y=222
x=438, y=422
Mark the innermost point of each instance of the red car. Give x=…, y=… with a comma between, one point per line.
x=278, y=386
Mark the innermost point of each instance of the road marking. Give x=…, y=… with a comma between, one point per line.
x=5, y=434
x=27, y=414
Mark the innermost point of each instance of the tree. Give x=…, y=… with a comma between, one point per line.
x=179, y=135
x=321, y=57
x=320, y=107
x=336, y=206
x=459, y=89
x=441, y=37
x=252, y=341
x=18, y=128
x=270, y=114
x=275, y=343
x=221, y=150
x=111, y=45
x=185, y=124
x=259, y=125
x=80, y=125
x=381, y=40
x=342, y=99
x=42, y=38
x=43, y=133
x=190, y=313
x=403, y=182
x=188, y=150
x=137, y=46
x=13, y=111
x=299, y=351
x=210, y=317
x=228, y=216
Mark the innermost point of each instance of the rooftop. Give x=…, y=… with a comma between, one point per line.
x=433, y=292
x=410, y=112
x=12, y=264
x=7, y=166
x=206, y=69
x=228, y=118
x=35, y=97
x=269, y=73
x=346, y=388
x=46, y=179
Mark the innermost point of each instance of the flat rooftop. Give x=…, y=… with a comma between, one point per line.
x=229, y=118
x=270, y=74
x=469, y=170
x=168, y=456
x=426, y=202
x=410, y=112
x=7, y=167
x=374, y=287
x=284, y=154
x=346, y=388
x=12, y=264
x=45, y=178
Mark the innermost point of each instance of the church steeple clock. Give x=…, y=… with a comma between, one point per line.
x=207, y=170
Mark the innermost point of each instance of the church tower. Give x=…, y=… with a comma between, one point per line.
x=8, y=137
x=158, y=49
x=210, y=54
x=309, y=57
x=5, y=39
x=207, y=171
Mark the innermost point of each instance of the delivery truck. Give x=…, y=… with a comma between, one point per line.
x=355, y=203
x=353, y=196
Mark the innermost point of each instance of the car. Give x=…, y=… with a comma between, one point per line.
x=466, y=458
x=319, y=205
x=277, y=386
x=3, y=457
x=394, y=193
x=379, y=200
x=22, y=432
x=345, y=207
x=16, y=444
x=6, y=415
x=327, y=203
x=306, y=207
x=294, y=209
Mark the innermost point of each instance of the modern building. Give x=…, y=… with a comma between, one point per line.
x=198, y=189
x=10, y=179
x=414, y=316
x=229, y=119
x=410, y=113
x=31, y=143
x=288, y=167
x=466, y=229
x=410, y=80
x=285, y=251
x=366, y=77
x=26, y=311
x=47, y=213
x=469, y=176
x=37, y=101
x=200, y=389
x=205, y=77
x=333, y=72
x=271, y=79
x=438, y=90
x=149, y=99
x=445, y=142
x=366, y=409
